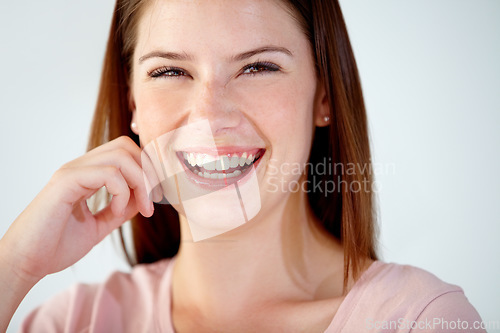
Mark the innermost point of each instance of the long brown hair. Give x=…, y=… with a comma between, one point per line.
x=348, y=215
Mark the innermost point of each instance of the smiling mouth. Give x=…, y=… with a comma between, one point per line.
x=220, y=170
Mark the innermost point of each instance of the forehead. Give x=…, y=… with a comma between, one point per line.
x=216, y=25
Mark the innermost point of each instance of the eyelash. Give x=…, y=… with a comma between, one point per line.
x=262, y=67
x=267, y=66
x=162, y=71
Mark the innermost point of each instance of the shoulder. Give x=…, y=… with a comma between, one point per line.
x=143, y=278
x=103, y=305
x=406, y=282
x=417, y=289
x=394, y=296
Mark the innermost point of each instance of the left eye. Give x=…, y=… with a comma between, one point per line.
x=260, y=68
x=167, y=72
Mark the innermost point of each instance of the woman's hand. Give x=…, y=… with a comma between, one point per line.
x=57, y=228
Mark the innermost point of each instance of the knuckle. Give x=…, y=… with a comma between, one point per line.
x=61, y=173
x=67, y=165
x=121, y=152
x=125, y=140
x=113, y=171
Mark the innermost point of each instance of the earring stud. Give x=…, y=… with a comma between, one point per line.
x=327, y=119
x=133, y=125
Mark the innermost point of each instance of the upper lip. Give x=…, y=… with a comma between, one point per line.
x=219, y=151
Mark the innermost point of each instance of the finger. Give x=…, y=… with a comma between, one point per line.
x=146, y=159
x=152, y=168
x=132, y=172
x=89, y=179
x=122, y=142
x=134, y=175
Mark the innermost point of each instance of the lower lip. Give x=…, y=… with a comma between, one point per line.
x=217, y=184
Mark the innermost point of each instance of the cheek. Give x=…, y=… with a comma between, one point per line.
x=283, y=112
x=158, y=111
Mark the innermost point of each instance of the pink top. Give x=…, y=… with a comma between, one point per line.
x=387, y=298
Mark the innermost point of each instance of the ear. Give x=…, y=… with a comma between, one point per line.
x=321, y=106
x=132, y=108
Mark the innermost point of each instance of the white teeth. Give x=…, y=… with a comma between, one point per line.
x=199, y=159
x=243, y=159
x=217, y=175
x=218, y=163
x=208, y=163
x=249, y=159
x=236, y=173
x=225, y=162
x=191, y=159
x=222, y=163
x=235, y=161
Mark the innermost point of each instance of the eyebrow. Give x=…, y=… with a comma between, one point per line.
x=165, y=55
x=238, y=57
x=248, y=54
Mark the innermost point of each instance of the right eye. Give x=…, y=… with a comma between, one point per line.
x=167, y=72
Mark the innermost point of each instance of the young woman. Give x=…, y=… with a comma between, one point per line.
x=228, y=114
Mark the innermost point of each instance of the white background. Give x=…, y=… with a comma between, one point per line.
x=431, y=77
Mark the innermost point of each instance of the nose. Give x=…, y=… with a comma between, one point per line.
x=211, y=101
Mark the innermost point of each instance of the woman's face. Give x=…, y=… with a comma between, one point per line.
x=217, y=81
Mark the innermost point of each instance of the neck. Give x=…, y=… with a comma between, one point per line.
x=282, y=257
